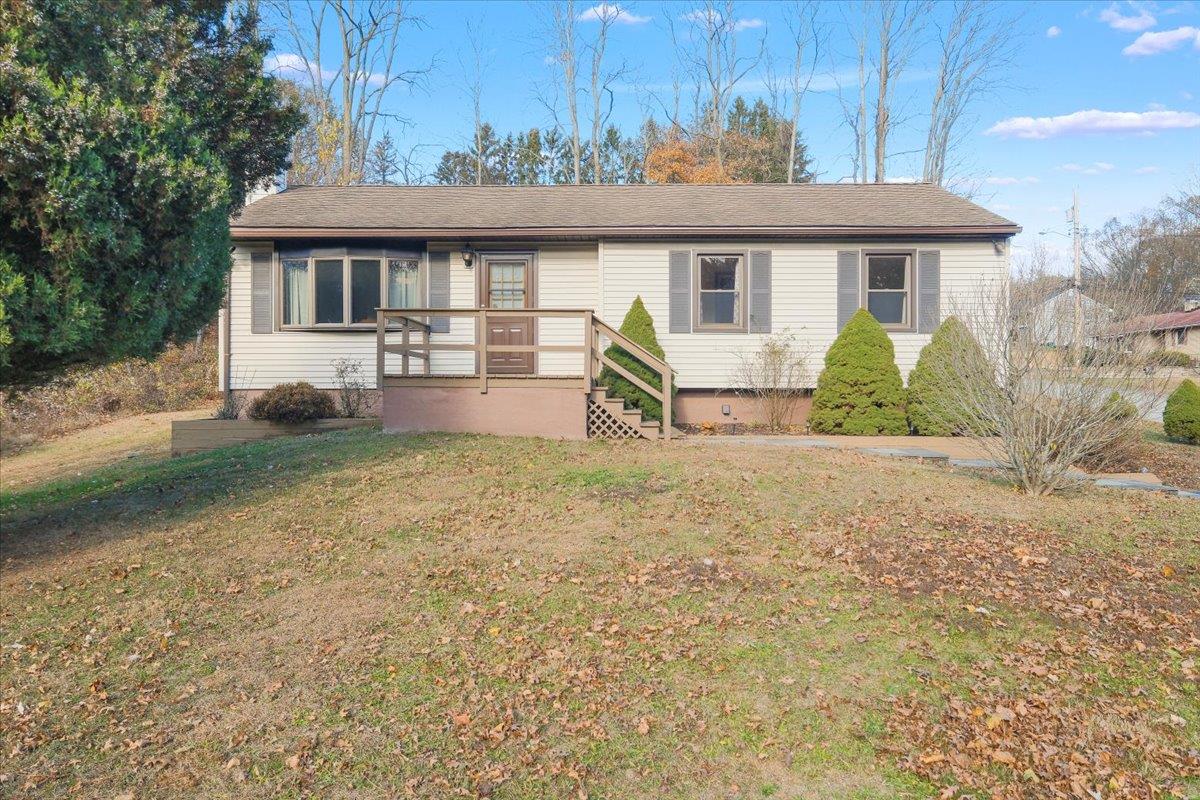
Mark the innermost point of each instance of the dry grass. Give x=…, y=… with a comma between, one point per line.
x=367, y=615
x=183, y=377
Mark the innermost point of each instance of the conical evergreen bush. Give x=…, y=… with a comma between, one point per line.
x=931, y=385
x=639, y=327
x=860, y=391
x=1181, y=417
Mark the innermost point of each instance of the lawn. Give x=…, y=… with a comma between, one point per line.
x=366, y=615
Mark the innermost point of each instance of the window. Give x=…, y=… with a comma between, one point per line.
x=330, y=305
x=297, y=294
x=889, y=288
x=720, y=292
x=1181, y=335
x=345, y=291
x=402, y=283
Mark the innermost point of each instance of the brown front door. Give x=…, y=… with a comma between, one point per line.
x=508, y=283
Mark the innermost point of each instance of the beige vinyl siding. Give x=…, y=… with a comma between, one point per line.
x=803, y=299
x=566, y=278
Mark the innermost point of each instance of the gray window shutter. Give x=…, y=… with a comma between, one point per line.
x=847, y=286
x=929, y=290
x=262, y=309
x=680, y=292
x=760, y=291
x=439, y=289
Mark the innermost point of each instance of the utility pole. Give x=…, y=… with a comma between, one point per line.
x=1077, y=246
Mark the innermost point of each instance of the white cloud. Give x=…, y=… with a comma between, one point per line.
x=1137, y=21
x=1094, y=121
x=1145, y=170
x=1155, y=42
x=997, y=180
x=1186, y=95
x=614, y=12
x=1053, y=32
x=1095, y=168
x=718, y=20
x=294, y=67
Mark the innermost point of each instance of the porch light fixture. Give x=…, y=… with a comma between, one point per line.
x=468, y=256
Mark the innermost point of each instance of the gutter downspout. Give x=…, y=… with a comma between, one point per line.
x=223, y=351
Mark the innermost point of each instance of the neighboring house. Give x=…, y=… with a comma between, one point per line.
x=1178, y=331
x=550, y=272
x=1054, y=318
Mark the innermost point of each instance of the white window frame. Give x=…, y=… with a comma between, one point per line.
x=741, y=292
x=909, y=290
x=346, y=260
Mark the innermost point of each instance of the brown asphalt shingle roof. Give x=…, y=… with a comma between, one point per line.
x=636, y=209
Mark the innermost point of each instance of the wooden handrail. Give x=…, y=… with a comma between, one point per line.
x=594, y=358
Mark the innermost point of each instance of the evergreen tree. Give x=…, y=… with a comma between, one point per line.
x=932, y=387
x=638, y=326
x=131, y=131
x=860, y=391
x=383, y=162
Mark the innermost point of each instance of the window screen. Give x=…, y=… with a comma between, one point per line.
x=364, y=289
x=330, y=297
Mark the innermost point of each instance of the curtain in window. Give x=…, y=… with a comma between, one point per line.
x=295, y=292
x=402, y=283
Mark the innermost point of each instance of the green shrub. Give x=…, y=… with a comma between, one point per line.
x=860, y=391
x=638, y=327
x=931, y=385
x=1181, y=417
x=292, y=402
x=1173, y=358
x=1120, y=408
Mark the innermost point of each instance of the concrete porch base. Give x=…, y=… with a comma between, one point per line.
x=552, y=412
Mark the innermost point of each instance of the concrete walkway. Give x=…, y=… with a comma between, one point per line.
x=953, y=451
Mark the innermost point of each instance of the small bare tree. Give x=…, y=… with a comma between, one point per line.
x=775, y=375
x=1035, y=409
x=806, y=39
x=560, y=33
x=606, y=15
x=352, y=387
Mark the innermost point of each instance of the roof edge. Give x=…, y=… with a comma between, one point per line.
x=788, y=232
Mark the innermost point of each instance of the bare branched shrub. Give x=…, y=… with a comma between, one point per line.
x=775, y=374
x=352, y=387
x=1047, y=410
x=232, y=405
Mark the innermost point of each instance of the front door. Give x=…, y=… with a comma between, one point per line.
x=508, y=283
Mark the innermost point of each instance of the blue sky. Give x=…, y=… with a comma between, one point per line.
x=1105, y=97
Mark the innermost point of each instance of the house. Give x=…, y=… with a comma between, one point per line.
x=1175, y=331
x=498, y=301
x=1053, y=318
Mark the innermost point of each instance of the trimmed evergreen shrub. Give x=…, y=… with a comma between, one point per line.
x=1120, y=408
x=1181, y=417
x=292, y=402
x=860, y=391
x=928, y=382
x=639, y=327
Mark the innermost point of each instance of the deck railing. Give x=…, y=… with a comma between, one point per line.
x=416, y=342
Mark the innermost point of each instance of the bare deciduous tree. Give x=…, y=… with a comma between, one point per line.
x=976, y=47
x=1036, y=410
x=707, y=50
x=368, y=34
x=774, y=375
x=898, y=25
x=564, y=53
x=605, y=15
x=806, y=40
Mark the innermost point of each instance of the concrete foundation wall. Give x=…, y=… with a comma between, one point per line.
x=550, y=412
x=698, y=406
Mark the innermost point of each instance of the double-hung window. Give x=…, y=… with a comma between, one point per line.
x=344, y=291
x=720, y=299
x=889, y=294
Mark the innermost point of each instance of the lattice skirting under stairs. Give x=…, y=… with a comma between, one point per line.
x=603, y=424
